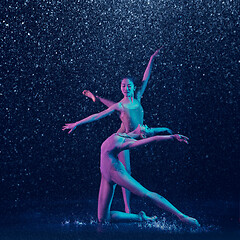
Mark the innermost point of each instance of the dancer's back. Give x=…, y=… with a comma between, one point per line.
x=109, y=155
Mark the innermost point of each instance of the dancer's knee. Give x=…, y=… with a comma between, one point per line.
x=145, y=194
x=102, y=219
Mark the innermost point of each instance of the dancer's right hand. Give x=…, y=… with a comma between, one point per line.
x=70, y=126
x=181, y=138
x=87, y=93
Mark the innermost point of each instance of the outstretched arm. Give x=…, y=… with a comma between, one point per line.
x=137, y=143
x=147, y=74
x=106, y=102
x=91, y=118
x=162, y=130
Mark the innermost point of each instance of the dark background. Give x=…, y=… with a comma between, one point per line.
x=52, y=50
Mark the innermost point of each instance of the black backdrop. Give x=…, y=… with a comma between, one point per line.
x=53, y=50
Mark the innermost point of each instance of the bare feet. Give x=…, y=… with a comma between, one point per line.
x=87, y=93
x=143, y=217
x=127, y=210
x=190, y=221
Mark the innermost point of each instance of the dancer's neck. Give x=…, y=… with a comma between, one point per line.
x=128, y=99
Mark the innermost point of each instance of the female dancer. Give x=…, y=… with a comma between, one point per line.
x=113, y=172
x=131, y=114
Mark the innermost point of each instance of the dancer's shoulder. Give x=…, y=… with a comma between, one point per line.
x=118, y=106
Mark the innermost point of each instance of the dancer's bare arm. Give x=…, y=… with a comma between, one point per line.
x=162, y=130
x=146, y=75
x=92, y=118
x=105, y=101
x=130, y=144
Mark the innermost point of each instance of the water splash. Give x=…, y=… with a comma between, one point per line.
x=174, y=226
x=161, y=225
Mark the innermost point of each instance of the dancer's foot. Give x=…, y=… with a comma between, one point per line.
x=143, y=217
x=189, y=220
x=87, y=93
x=127, y=210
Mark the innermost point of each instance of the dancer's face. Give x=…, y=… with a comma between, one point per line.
x=127, y=87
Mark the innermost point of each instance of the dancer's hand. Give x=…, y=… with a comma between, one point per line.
x=71, y=126
x=181, y=138
x=169, y=131
x=156, y=53
x=87, y=93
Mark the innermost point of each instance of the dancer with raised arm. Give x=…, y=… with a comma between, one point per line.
x=131, y=114
x=113, y=172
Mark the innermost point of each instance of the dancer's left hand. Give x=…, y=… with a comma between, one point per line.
x=157, y=52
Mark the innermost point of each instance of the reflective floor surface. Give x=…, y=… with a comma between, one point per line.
x=78, y=220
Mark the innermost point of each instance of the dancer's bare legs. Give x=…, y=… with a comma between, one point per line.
x=105, y=197
x=124, y=158
x=123, y=179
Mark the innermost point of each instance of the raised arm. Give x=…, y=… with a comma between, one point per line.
x=91, y=118
x=137, y=143
x=147, y=74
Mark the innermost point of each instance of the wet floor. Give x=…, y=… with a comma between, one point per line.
x=78, y=220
